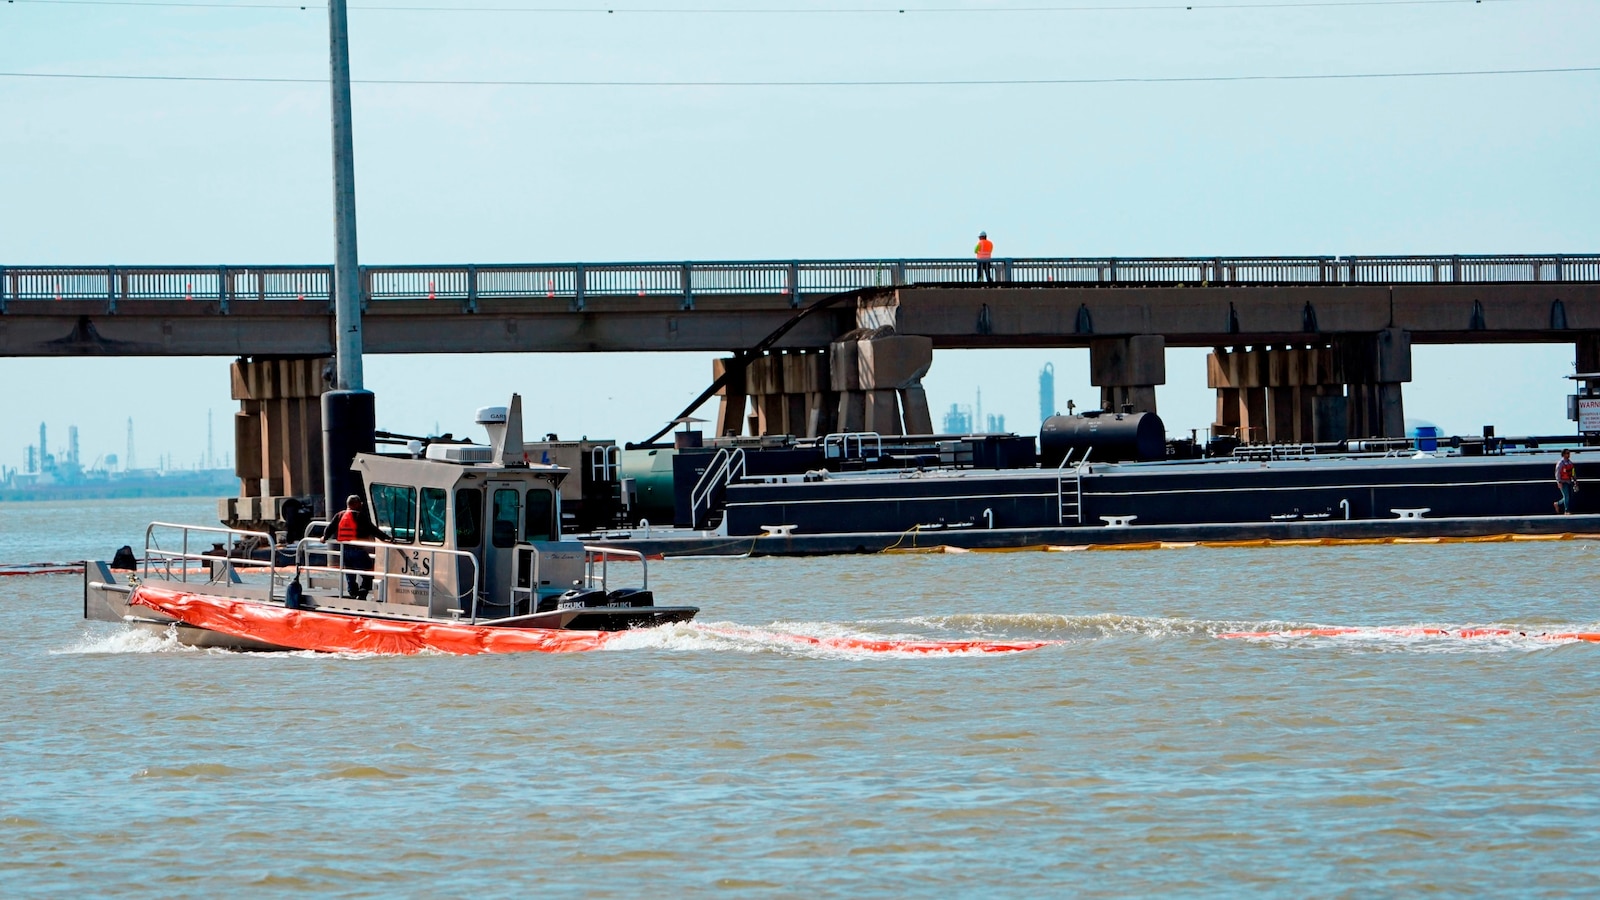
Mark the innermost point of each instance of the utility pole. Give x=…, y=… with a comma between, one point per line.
x=346, y=274
x=348, y=411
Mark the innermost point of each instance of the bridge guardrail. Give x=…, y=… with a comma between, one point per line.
x=575, y=283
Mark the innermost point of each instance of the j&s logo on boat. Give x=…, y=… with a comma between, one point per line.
x=415, y=563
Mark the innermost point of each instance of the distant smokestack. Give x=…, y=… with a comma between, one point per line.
x=1047, y=392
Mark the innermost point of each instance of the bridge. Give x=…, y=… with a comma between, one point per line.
x=1304, y=348
x=726, y=306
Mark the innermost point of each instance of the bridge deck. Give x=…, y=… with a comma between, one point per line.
x=723, y=306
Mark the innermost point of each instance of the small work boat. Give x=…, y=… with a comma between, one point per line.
x=470, y=560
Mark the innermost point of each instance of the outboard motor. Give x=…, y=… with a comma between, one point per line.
x=1113, y=437
x=634, y=597
x=577, y=598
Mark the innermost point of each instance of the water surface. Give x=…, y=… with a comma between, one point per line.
x=1140, y=755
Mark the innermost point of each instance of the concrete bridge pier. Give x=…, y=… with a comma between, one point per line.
x=1586, y=352
x=891, y=368
x=277, y=439
x=732, y=398
x=1373, y=368
x=1127, y=370
x=866, y=382
x=788, y=393
x=1349, y=387
x=1277, y=394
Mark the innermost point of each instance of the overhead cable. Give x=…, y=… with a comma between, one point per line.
x=932, y=82
x=776, y=10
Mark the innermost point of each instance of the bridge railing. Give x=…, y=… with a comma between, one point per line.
x=115, y=284
x=575, y=283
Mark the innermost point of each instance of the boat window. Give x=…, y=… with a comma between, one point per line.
x=469, y=518
x=431, y=527
x=506, y=507
x=394, y=509
x=541, y=516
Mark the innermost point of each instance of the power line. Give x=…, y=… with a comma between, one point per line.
x=870, y=10
x=935, y=82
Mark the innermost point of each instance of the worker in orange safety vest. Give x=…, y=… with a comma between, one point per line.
x=984, y=250
x=353, y=524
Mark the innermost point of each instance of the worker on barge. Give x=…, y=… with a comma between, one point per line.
x=1567, y=481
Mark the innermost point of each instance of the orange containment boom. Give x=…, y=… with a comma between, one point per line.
x=1414, y=631
x=331, y=633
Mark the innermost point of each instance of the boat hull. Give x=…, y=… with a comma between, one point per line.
x=205, y=620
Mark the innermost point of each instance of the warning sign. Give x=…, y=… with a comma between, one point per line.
x=1589, y=415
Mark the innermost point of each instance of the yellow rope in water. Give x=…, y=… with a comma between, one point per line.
x=1244, y=544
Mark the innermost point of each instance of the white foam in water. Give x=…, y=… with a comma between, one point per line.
x=785, y=638
x=1053, y=626
x=126, y=639
x=1416, y=638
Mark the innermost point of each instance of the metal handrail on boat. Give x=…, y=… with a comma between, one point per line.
x=591, y=581
x=421, y=563
x=602, y=555
x=163, y=560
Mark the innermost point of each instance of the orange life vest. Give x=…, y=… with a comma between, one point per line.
x=985, y=248
x=347, y=526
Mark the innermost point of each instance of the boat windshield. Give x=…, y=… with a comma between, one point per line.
x=430, y=529
x=394, y=509
x=541, y=524
x=469, y=518
x=507, y=505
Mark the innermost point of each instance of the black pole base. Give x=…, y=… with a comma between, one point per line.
x=349, y=426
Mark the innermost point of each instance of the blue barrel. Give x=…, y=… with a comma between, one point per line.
x=1427, y=438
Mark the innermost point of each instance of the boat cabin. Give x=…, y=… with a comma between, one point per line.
x=456, y=520
x=472, y=531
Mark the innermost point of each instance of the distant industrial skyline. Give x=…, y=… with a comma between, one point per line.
x=43, y=454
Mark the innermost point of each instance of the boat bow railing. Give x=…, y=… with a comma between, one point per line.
x=597, y=563
x=596, y=575
x=222, y=563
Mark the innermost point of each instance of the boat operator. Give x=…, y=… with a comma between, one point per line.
x=353, y=524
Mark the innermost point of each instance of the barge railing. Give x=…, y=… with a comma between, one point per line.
x=837, y=446
x=1076, y=505
x=726, y=466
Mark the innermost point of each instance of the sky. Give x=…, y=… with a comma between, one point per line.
x=109, y=171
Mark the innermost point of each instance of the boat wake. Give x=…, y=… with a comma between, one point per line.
x=969, y=635
x=813, y=639
x=1493, y=638
x=125, y=639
